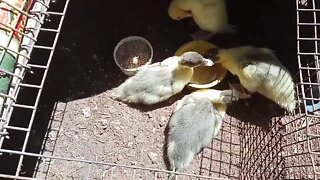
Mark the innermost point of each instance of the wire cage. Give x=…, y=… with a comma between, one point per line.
x=33, y=18
x=288, y=149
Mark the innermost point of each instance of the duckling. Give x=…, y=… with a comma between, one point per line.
x=210, y=15
x=195, y=121
x=159, y=81
x=259, y=70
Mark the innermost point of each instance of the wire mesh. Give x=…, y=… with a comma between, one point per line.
x=35, y=19
x=10, y=45
x=221, y=159
x=261, y=156
x=86, y=169
x=302, y=132
x=288, y=149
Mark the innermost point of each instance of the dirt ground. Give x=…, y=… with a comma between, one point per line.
x=103, y=130
x=89, y=125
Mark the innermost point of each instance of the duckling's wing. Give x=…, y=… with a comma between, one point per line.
x=154, y=77
x=194, y=124
x=259, y=63
x=273, y=81
x=148, y=86
x=254, y=75
x=250, y=70
x=191, y=128
x=250, y=54
x=266, y=73
x=263, y=66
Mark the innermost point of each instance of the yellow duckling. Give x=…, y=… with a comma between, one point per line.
x=159, y=81
x=194, y=123
x=259, y=70
x=210, y=15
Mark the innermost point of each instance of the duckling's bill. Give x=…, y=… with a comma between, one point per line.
x=207, y=62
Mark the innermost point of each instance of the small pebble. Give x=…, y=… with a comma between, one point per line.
x=130, y=154
x=86, y=112
x=159, y=145
x=104, y=122
x=135, y=60
x=53, y=135
x=130, y=144
x=149, y=115
x=163, y=120
x=119, y=158
x=152, y=156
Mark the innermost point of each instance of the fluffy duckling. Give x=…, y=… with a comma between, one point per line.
x=159, y=81
x=210, y=15
x=195, y=121
x=259, y=70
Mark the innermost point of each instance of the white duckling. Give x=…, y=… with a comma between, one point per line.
x=159, y=81
x=194, y=123
x=210, y=15
x=259, y=70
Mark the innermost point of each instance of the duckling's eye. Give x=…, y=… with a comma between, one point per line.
x=212, y=52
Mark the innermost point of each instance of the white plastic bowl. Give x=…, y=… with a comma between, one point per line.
x=132, y=71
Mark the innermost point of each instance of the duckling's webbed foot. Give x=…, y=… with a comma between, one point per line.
x=201, y=35
x=229, y=96
x=243, y=93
